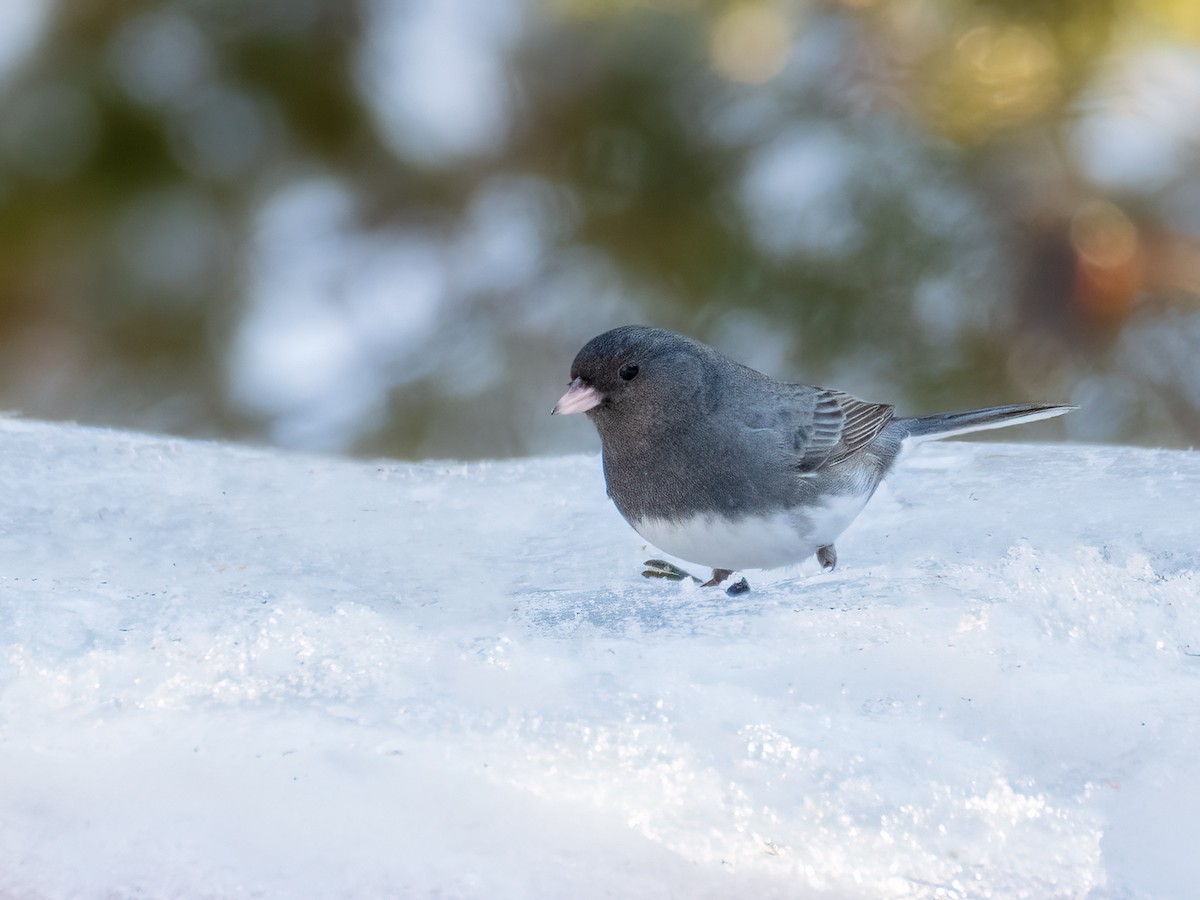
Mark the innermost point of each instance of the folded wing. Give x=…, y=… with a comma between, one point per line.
x=841, y=425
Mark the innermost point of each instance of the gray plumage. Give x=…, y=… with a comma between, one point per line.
x=703, y=453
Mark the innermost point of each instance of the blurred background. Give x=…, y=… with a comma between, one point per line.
x=384, y=227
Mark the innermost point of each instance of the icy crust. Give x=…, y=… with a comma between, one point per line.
x=234, y=673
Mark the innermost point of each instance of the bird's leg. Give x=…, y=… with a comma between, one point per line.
x=733, y=590
x=718, y=576
x=827, y=557
x=660, y=568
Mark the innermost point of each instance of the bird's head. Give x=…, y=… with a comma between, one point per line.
x=636, y=373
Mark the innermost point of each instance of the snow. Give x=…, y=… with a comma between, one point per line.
x=229, y=672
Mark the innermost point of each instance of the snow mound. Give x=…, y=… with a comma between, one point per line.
x=233, y=673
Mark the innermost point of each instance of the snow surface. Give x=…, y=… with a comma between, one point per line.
x=228, y=673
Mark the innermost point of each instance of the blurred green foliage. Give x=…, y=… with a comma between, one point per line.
x=903, y=197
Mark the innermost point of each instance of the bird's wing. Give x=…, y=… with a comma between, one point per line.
x=841, y=425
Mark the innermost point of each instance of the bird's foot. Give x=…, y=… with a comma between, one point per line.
x=660, y=568
x=827, y=557
x=718, y=576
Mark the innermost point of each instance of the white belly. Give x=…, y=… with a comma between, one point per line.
x=782, y=538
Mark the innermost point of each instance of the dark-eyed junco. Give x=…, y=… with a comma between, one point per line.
x=720, y=465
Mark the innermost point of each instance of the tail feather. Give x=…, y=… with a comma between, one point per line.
x=944, y=425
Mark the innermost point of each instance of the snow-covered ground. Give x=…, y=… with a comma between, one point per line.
x=232, y=673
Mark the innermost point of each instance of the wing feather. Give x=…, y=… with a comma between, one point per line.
x=841, y=426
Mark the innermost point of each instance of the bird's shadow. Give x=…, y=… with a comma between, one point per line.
x=632, y=608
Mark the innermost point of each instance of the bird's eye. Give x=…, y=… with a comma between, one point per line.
x=628, y=372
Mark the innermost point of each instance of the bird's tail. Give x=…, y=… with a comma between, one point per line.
x=943, y=425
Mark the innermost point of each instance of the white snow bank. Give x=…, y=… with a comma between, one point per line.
x=232, y=673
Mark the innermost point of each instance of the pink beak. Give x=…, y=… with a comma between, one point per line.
x=579, y=398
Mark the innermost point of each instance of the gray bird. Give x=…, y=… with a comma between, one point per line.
x=720, y=465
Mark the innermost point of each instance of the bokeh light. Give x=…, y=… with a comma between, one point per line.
x=751, y=42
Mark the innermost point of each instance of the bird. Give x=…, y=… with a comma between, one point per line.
x=722, y=466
